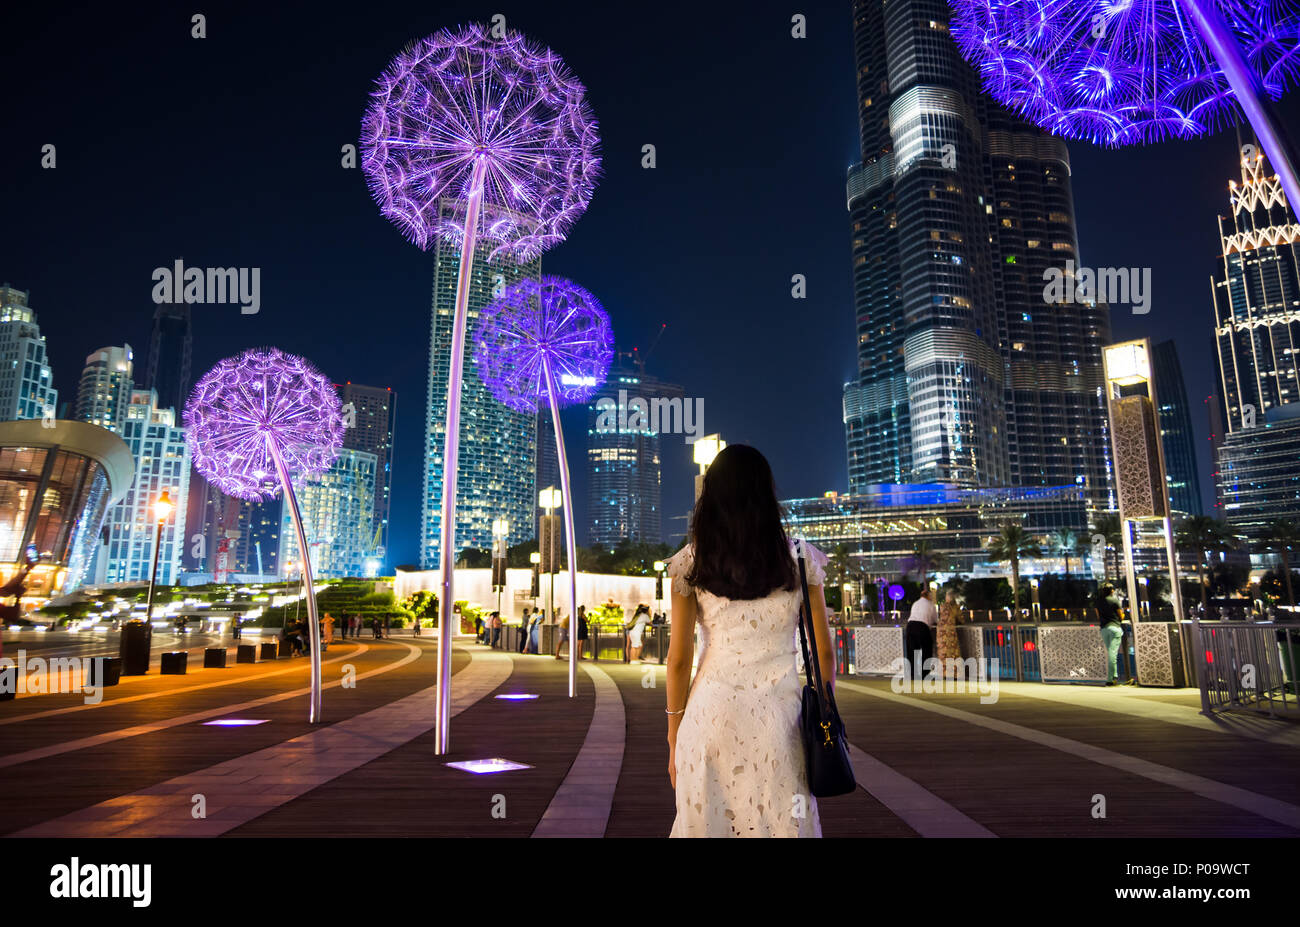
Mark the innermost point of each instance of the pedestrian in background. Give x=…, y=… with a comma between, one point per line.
x=922, y=620
x=1112, y=631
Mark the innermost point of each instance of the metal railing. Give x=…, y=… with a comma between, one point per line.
x=1247, y=666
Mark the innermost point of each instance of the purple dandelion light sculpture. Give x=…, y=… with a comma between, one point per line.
x=472, y=136
x=251, y=421
x=552, y=341
x=1126, y=72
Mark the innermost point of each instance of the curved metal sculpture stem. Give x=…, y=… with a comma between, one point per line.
x=570, y=546
x=1246, y=85
x=313, y=625
x=450, y=455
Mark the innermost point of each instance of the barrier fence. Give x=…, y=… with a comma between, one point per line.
x=1247, y=666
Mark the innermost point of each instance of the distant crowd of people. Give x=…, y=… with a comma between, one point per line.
x=488, y=631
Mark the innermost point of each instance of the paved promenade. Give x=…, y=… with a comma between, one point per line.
x=1038, y=762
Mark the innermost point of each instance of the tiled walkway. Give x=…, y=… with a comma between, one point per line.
x=1056, y=761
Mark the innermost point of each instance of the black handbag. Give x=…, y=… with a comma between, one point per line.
x=825, y=745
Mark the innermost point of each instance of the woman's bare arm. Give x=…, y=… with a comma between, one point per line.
x=822, y=633
x=681, y=653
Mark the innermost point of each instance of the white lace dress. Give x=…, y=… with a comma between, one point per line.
x=740, y=761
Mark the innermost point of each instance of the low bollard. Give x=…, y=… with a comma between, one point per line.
x=8, y=683
x=104, y=671
x=214, y=658
x=174, y=663
x=269, y=650
x=286, y=648
x=246, y=653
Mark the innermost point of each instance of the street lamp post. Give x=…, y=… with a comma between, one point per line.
x=705, y=450
x=500, y=531
x=659, y=567
x=550, y=499
x=162, y=511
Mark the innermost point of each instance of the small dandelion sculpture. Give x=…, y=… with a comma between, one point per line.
x=475, y=135
x=547, y=340
x=1127, y=72
x=251, y=421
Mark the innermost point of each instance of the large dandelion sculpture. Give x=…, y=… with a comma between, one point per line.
x=250, y=422
x=470, y=136
x=1126, y=72
x=553, y=341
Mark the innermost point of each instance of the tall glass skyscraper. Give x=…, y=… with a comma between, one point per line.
x=966, y=375
x=1257, y=333
x=497, y=445
x=171, y=346
x=624, y=463
x=371, y=413
x=26, y=380
x=338, y=512
x=1176, y=430
x=105, y=387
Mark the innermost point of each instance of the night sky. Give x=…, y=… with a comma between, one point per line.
x=225, y=151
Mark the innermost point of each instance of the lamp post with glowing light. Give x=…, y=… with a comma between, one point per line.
x=705, y=450
x=162, y=510
x=550, y=499
x=500, y=531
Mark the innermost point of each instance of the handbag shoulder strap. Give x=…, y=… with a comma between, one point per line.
x=811, y=662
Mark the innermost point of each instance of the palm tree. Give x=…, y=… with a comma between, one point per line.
x=1012, y=543
x=923, y=559
x=1203, y=534
x=1068, y=543
x=1108, y=526
x=1281, y=536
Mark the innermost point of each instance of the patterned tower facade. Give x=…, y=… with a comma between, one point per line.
x=495, y=476
x=26, y=380
x=1257, y=333
x=965, y=374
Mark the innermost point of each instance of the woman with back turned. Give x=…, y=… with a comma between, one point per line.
x=735, y=752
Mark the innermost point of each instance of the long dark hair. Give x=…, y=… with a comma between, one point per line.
x=741, y=551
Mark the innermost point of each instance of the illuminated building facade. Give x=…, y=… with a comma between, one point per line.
x=338, y=512
x=882, y=526
x=26, y=380
x=370, y=415
x=56, y=486
x=162, y=464
x=624, y=462
x=497, y=451
x=1176, y=435
x=1257, y=335
x=104, y=391
x=966, y=375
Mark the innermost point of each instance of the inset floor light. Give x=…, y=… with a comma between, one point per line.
x=494, y=765
x=235, y=722
x=518, y=696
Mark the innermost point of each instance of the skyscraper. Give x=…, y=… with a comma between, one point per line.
x=162, y=463
x=1176, y=431
x=26, y=381
x=548, y=466
x=966, y=374
x=338, y=512
x=624, y=462
x=495, y=472
x=1257, y=334
x=370, y=413
x=104, y=391
x=170, y=349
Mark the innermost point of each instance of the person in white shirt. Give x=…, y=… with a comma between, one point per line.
x=919, y=636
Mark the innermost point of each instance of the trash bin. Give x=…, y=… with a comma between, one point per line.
x=104, y=671
x=137, y=643
x=174, y=662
